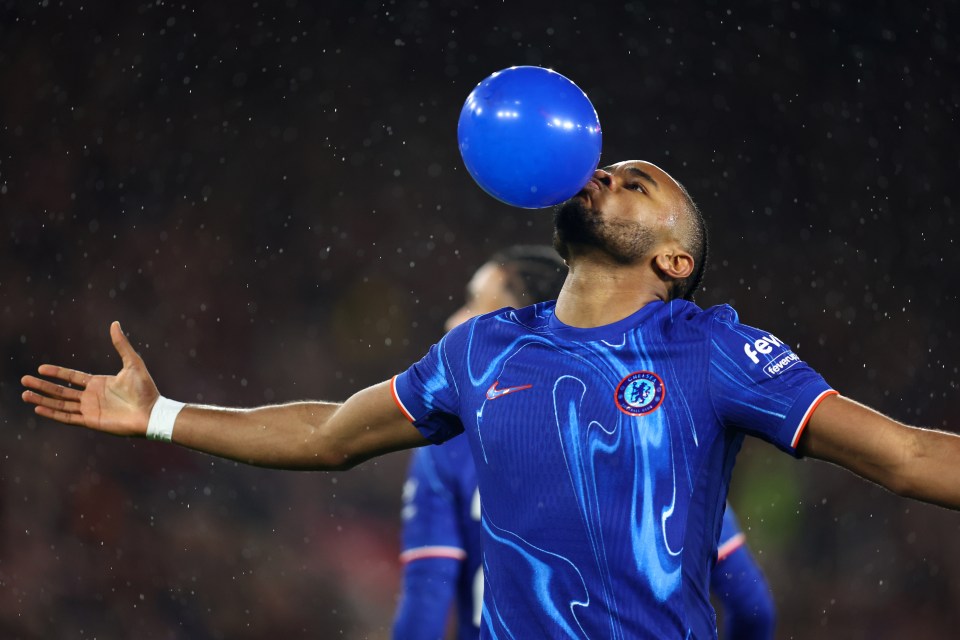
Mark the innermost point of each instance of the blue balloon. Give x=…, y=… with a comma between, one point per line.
x=529, y=137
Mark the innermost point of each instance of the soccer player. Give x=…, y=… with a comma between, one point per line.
x=441, y=504
x=604, y=426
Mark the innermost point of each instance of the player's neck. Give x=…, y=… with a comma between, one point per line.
x=598, y=295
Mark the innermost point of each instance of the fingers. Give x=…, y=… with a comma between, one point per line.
x=55, y=401
x=56, y=405
x=50, y=389
x=122, y=345
x=60, y=416
x=72, y=376
x=59, y=409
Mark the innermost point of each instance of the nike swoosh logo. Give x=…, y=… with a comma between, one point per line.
x=493, y=393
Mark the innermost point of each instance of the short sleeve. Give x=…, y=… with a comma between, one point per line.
x=427, y=392
x=731, y=537
x=759, y=385
x=430, y=506
x=432, y=549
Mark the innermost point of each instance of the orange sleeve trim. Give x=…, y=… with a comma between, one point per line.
x=421, y=553
x=730, y=546
x=396, y=399
x=806, y=416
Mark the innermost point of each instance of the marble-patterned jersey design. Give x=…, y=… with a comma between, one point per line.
x=603, y=457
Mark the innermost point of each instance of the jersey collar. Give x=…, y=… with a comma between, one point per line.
x=606, y=332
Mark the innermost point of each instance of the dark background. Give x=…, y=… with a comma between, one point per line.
x=270, y=198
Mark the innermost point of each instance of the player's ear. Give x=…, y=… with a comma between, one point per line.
x=674, y=263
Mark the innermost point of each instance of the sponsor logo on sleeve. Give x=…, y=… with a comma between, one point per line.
x=765, y=346
x=639, y=393
x=788, y=360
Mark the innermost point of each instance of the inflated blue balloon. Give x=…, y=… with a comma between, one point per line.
x=529, y=137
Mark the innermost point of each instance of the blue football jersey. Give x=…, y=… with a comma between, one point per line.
x=738, y=584
x=603, y=457
x=731, y=537
x=441, y=520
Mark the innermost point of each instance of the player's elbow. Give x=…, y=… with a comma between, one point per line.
x=333, y=452
x=902, y=477
x=365, y=426
x=335, y=460
x=326, y=447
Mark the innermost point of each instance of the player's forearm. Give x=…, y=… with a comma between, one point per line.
x=301, y=435
x=915, y=463
x=288, y=436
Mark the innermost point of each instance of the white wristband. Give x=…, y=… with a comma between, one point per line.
x=162, y=417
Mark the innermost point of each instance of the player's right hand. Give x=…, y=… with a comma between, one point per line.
x=117, y=404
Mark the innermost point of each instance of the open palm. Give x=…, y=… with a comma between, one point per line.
x=118, y=404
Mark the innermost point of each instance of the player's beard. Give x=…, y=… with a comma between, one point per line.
x=577, y=227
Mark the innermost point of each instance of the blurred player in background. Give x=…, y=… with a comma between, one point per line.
x=737, y=582
x=604, y=426
x=441, y=554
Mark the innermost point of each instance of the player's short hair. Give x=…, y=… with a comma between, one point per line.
x=534, y=272
x=697, y=243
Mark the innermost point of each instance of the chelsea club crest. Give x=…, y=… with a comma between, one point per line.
x=639, y=393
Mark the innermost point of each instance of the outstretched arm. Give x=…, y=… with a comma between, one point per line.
x=912, y=462
x=300, y=435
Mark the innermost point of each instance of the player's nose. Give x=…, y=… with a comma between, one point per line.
x=604, y=177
